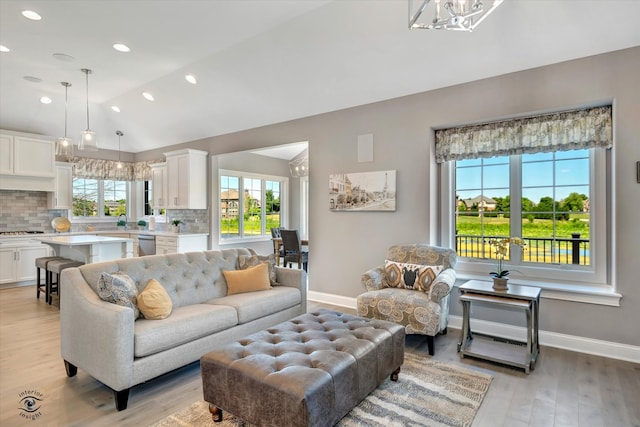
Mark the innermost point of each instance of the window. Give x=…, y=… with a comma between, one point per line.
x=148, y=197
x=257, y=211
x=99, y=198
x=553, y=216
x=528, y=178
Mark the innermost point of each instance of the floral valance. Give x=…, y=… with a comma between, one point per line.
x=567, y=130
x=108, y=169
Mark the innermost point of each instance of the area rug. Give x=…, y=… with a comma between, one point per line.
x=428, y=393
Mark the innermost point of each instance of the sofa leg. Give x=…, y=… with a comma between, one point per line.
x=430, y=344
x=394, y=374
x=444, y=331
x=216, y=413
x=72, y=370
x=122, y=398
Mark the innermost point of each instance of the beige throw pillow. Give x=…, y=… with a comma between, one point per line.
x=154, y=302
x=250, y=280
x=246, y=261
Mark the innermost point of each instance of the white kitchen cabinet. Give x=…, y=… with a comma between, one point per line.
x=133, y=237
x=26, y=162
x=62, y=198
x=18, y=260
x=159, y=185
x=186, y=179
x=180, y=244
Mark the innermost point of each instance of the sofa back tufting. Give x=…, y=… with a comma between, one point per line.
x=189, y=278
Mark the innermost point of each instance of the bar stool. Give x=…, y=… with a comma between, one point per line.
x=56, y=267
x=41, y=263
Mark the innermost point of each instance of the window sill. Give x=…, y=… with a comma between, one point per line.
x=589, y=294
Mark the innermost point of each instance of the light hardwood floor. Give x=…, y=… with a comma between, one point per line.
x=565, y=389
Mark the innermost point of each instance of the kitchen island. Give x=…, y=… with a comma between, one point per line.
x=90, y=248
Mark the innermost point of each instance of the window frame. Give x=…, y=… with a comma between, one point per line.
x=567, y=280
x=266, y=233
x=101, y=216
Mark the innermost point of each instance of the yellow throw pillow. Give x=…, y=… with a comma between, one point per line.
x=154, y=302
x=249, y=280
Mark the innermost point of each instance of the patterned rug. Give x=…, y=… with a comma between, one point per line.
x=428, y=393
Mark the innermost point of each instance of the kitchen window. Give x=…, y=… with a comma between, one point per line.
x=97, y=198
x=250, y=204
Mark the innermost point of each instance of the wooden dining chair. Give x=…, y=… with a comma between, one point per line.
x=293, y=249
x=275, y=233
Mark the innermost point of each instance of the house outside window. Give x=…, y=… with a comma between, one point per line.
x=250, y=204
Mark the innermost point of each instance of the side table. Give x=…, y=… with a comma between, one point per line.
x=496, y=349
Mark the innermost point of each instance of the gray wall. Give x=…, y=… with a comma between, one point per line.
x=345, y=244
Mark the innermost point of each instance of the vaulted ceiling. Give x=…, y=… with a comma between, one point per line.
x=259, y=62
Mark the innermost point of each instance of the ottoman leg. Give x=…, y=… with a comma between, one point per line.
x=216, y=413
x=394, y=374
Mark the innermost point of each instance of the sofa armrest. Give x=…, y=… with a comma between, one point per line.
x=295, y=278
x=95, y=335
x=442, y=285
x=374, y=279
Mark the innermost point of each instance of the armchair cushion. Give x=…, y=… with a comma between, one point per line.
x=410, y=276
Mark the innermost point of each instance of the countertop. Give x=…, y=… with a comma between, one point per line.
x=8, y=240
x=81, y=239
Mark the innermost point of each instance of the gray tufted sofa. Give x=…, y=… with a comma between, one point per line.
x=308, y=371
x=107, y=342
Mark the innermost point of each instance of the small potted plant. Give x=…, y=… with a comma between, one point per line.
x=121, y=224
x=175, y=225
x=500, y=246
x=142, y=224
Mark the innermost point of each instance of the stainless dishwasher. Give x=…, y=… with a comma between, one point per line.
x=146, y=244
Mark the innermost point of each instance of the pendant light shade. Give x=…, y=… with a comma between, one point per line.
x=64, y=145
x=119, y=164
x=88, y=139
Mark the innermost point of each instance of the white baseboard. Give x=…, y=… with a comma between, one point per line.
x=609, y=349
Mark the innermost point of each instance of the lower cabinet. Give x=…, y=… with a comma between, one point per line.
x=19, y=262
x=180, y=244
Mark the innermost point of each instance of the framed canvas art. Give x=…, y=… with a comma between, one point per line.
x=363, y=191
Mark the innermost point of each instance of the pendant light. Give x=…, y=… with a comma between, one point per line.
x=88, y=140
x=119, y=164
x=64, y=146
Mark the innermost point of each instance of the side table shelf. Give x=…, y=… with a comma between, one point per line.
x=497, y=349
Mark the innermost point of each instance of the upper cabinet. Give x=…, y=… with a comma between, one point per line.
x=26, y=163
x=186, y=179
x=62, y=198
x=159, y=185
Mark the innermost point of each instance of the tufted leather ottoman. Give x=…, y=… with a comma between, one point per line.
x=309, y=371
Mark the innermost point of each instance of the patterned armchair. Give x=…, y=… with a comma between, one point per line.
x=412, y=289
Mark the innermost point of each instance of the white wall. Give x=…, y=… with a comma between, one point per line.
x=345, y=244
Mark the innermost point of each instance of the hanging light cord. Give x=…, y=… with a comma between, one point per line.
x=86, y=72
x=119, y=133
x=66, y=102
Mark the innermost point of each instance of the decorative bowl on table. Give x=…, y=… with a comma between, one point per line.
x=60, y=224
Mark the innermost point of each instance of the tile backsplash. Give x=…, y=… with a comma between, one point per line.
x=26, y=210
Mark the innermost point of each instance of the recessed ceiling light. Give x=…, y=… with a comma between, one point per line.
x=63, y=57
x=191, y=79
x=30, y=14
x=33, y=79
x=115, y=108
x=4, y=49
x=121, y=47
x=46, y=100
x=148, y=96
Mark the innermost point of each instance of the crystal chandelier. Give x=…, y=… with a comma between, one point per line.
x=458, y=15
x=64, y=145
x=88, y=139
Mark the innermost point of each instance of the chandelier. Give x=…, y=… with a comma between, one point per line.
x=457, y=15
